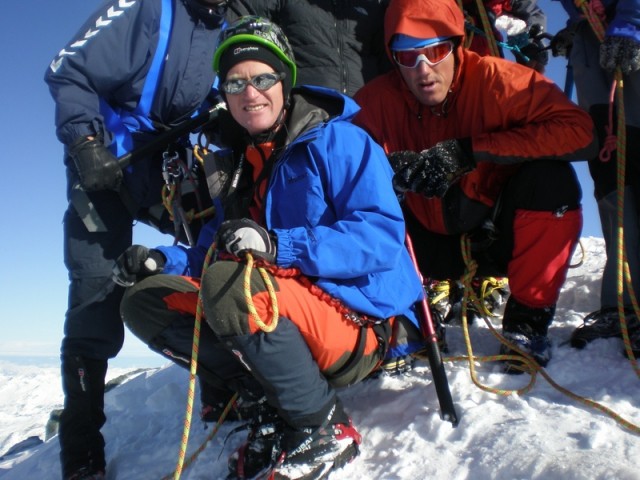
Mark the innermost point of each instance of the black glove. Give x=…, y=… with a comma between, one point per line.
x=244, y=235
x=620, y=52
x=97, y=168
x=432, y=171
x=136, y=263
x=562, y=42
x=534, y=53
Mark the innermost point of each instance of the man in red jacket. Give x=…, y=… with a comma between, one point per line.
x=480, y=144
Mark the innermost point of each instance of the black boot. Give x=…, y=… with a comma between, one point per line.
x=81, y=443
x=527, y=328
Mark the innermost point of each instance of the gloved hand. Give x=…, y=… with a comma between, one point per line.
x=620, y=52
x=534, y=50
x=244, y=235
x=136, y=263
x=562, y=42
x=97, y=168
x=432, y=171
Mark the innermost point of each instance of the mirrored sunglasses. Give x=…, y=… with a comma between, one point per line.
x=262, y=82
x=431, y=54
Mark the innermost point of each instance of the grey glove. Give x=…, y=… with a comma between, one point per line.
x=97, y=168
x=620, y=52
x=136, y=263
x=244, y=235
x=432, y=171
x=562, y=42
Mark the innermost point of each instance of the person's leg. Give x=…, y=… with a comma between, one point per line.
x=540, y=225
x=93, y=331
x=593, y=86
x=311, y=344
x=605, y=322
x=160, y=310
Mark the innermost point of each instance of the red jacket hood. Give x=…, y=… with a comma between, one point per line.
x=423, y=19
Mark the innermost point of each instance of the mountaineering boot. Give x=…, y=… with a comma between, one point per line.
x=275, y=450
x=262, y=447
x=81, y=443
x=311, y=453
x=603, y=323
x=526, y=328
x=446, y=296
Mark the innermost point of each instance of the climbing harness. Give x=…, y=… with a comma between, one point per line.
x=176, y=174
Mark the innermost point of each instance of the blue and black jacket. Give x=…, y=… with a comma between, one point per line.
x=110, y=61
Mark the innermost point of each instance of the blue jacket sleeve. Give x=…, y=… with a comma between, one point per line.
x=108, y=58
x=367, y=235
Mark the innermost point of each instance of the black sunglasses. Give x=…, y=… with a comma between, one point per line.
x=262, y=82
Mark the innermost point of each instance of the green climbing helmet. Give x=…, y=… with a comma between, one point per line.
x=259, y=30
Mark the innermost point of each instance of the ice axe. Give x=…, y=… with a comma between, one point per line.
x=81, y=201
x=171, y=135
x=447, y=409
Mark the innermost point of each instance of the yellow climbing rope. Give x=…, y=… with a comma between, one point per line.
x=270, y=327
x=214, y=431
x=192, y=372
x=529, y=365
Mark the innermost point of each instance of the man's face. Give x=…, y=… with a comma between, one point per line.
x=429, y=81
x=255, y=109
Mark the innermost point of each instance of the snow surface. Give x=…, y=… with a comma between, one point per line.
x=543, y=434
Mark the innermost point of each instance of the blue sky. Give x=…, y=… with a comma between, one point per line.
x=34, y=279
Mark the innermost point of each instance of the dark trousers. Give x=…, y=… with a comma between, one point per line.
x=538, y=216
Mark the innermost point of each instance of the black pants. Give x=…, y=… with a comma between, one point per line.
x=536, y=186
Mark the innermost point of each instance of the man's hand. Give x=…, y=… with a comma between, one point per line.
x=620, y=52
x=136, y=263
x=244, y=235
x=97, y=168
x=534, y=50
x=432, y=171
x=562, y=42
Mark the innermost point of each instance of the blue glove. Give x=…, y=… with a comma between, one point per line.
x=432, y=171
x=97, y=168
x=136, y=263
x=620, y=52
x=244, y=235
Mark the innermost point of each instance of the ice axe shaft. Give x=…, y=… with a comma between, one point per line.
x=171, y=135
x=447, y=409
x=83, y=204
